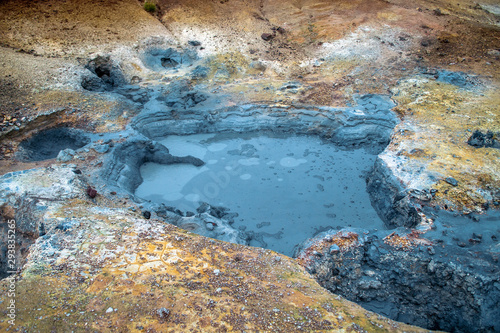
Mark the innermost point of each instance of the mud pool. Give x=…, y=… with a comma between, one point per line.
x=284, y=188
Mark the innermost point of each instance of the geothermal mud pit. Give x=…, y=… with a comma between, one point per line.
x=302, y=181
x=385, y=112
x=283, y=189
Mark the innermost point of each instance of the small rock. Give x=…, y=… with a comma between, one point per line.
x=102, y=149
x=210, y=226
x=317, y=254
x=216, y=271
x=438, y=12
x=267, y=36
x=474, y=240
x=194, y=43
x=494, y=53
x=92, y=193
x=334, y=248
x=431, y=250
x=66, y=155
x=431, y=267
x=258, y=66
x=369, y=284
x=146, y=214
x=489, y=139
x=163, y=313
x=109, y=310
x=452, y=181
x=200, y=72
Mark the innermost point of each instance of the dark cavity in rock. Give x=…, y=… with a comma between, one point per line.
x=440, y=284
x=47, y=144
x=104, y=75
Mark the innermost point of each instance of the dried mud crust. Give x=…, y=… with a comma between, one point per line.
x=62, y=28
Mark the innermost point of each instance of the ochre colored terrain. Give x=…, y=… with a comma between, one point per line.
x=114, y=259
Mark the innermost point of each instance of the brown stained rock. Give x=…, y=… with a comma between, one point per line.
x=91, y=192
x=267, y=36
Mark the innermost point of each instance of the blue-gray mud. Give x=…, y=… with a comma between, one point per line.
x=284, y=188
x=367, y=125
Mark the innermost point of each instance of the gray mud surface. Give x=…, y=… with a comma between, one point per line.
x=283, y=188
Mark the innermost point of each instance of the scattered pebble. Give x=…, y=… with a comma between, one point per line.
x=334, y=248
x=91, y=192
x=452, y=181
x=163, y=313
